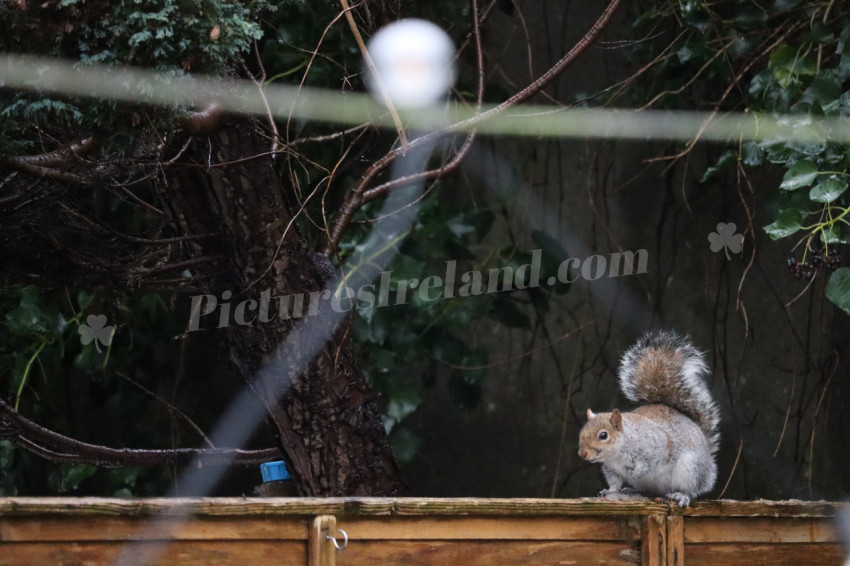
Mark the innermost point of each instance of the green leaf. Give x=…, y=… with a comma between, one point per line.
x=67, y=478
x=459, y=226
x=843, y=47
x=838, y=289
x=33, y=316
x=405, y=444
x=828, y=190
x=820, y=33
x=402, y=404
x=7, y=454
x=825, y=90
x=788, y=63
x=801, y=174
x=787, y=223
x=833, y=235
x=84, y=299
x=779, y=152
x=727, y=158
x=783, y=5
x=752, y=154
x=695, y=13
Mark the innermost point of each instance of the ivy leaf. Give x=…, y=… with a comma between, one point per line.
x=459, y=226
x=402, y=404
x=787, y=223
x=726, y=158
x=790, y=59
x=843, y=47
x=752, y=154
x=833, y=235
x=838, y=289
x=825, y=91
x=820, y=33
x=785, y=5
x=828, y=190
x=7, y=454
x=405, y=444
x=695, y=13
x=788, y=63
x=67, y=478
x=801, y=174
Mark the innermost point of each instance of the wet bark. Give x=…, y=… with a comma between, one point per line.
x=326, y=420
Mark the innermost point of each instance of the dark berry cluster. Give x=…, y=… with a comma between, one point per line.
x=818, y=260
x=801, y=269
x=828, y=263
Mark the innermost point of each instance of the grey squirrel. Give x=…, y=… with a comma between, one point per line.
x=666, y=446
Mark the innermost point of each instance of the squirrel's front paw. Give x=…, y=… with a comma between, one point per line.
x=680, y=498
x=608, y=492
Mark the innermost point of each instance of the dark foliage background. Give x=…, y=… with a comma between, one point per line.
x=484, y=395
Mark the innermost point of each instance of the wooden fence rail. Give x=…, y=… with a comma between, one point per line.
x=421, y=532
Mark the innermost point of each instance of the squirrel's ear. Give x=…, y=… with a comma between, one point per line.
x=590, y=414
x=616, y=419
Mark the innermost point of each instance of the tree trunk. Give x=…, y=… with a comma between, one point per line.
x=326, y=421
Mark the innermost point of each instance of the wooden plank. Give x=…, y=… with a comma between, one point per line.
x=321, y=550
x=653, y=541
x=520, y=507
x=377, y=506
x=762, y=508
x=493, y=528
x=760, y=530
x=99, y=528
x=442, y=553
x=368, y=506
x=229, y=553
x=675, y=553
x=765, y=554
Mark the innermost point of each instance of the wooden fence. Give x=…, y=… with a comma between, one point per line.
x=422, y=532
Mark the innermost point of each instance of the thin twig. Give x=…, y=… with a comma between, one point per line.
x=172, y=409
x=356, y=199
x=732, y=473
x=382, y=88
x=259, y=82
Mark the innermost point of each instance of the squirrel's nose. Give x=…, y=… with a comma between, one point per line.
x=582, y=454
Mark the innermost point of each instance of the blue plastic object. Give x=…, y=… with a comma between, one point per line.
x=274, y=471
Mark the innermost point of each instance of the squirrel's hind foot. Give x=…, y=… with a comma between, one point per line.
x=680, y=498
x=615, y=492
x=623, y=494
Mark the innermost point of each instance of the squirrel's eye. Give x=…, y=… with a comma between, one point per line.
x=603, y=435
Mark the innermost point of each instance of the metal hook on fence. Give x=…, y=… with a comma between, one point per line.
x=336, y=544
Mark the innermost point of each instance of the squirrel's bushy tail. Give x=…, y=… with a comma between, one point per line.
x=666, y=368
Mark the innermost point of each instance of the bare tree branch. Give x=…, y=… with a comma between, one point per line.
x=57, y=447
x=58, y=157
x=461, y=153
x=357, y=197
x=205, y=121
